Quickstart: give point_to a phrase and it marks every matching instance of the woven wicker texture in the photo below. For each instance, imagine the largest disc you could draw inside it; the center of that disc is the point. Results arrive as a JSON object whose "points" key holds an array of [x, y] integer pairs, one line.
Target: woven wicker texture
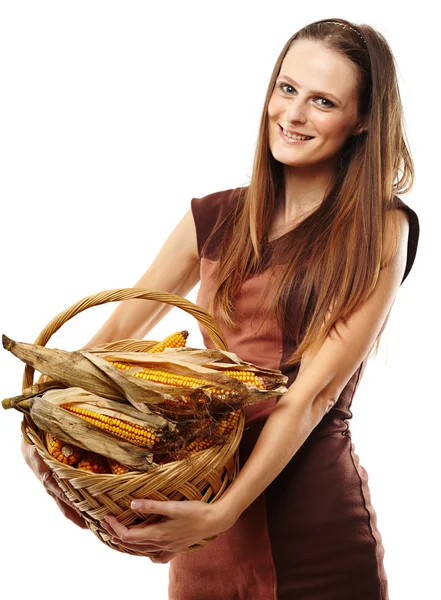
{"points": [[204, 476]]}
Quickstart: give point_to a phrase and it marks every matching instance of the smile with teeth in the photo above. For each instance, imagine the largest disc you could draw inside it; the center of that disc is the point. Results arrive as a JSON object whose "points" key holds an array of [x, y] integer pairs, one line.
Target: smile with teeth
{"points": [[293, 136]]}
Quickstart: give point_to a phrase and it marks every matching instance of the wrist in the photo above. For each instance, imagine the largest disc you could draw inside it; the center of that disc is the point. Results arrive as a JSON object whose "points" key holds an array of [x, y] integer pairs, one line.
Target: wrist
{"points": [[226, 513]]}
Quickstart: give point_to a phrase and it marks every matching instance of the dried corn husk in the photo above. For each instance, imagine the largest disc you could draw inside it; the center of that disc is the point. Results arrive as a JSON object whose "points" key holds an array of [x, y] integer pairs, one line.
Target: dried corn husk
{"points": [[211, 358], [70, 368], [93, 371], [48, 414], [22, 401], [51, 414], [149, 395]]}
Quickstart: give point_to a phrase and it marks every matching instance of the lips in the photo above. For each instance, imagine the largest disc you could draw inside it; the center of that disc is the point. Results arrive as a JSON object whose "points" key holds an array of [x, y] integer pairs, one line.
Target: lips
{"points": [[297, 132]]}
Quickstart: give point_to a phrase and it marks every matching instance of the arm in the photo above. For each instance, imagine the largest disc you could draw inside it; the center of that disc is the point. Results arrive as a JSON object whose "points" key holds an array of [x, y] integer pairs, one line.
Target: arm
{"points": [[175, 270], [44, 474], [318, 385]]}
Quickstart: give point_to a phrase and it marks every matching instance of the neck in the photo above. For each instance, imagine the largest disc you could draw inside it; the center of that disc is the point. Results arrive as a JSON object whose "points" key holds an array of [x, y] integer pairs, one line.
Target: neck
{"points": [[303, 191]]}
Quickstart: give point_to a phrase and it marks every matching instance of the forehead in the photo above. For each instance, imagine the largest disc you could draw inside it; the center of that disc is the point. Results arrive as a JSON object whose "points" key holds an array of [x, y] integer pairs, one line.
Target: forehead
{"points": [[315, 67]]}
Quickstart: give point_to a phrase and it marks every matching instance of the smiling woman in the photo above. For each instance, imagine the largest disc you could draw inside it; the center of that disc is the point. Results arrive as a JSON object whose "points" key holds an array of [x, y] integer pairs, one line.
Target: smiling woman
{"points": [[301, 269], [325, 106]]}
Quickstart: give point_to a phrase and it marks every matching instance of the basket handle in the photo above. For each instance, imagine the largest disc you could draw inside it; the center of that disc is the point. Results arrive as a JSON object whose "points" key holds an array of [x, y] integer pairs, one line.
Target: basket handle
{"points": [[117, 295]]}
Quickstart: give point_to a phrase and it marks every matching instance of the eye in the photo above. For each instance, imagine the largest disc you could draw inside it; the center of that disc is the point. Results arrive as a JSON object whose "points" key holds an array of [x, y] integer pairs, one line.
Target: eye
{"points": [[329, 105]]}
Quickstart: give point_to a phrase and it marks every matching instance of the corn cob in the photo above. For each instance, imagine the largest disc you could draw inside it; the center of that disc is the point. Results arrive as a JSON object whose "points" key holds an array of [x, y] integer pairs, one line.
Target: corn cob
{"points": [[116, 467], [199, 444], [94, 463], [185, 401], [144, 436], [91, 371], [229, 422], [176, 340], [247, 377], [173, 379], [68, 454], [225, 425]]}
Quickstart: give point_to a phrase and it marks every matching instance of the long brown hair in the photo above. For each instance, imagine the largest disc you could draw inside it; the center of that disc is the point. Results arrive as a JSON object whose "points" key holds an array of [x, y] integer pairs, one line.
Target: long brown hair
{"points": [[334, 256]]}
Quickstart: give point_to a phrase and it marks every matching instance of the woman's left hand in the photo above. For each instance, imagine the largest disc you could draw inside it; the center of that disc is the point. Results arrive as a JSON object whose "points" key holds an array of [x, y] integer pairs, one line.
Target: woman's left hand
{"points": [[188, 523]]}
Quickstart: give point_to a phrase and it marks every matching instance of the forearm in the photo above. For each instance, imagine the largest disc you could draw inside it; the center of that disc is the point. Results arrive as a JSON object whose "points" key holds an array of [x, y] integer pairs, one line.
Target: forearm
{"points": [[284, 432], [132, 319], [135, 318]]}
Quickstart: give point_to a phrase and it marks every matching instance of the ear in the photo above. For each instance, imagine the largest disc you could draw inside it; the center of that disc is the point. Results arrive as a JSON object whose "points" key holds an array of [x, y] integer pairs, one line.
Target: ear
{"points": [[359, 130]]}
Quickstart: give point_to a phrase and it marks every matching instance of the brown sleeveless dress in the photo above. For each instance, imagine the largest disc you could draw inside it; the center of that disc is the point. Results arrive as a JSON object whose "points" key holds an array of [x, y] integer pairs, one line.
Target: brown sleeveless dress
{"points": [[312, 534]]}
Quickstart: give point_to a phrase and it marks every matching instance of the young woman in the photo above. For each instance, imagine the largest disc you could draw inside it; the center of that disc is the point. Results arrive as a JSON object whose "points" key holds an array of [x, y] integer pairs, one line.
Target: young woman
{"points": [[300, 269]]}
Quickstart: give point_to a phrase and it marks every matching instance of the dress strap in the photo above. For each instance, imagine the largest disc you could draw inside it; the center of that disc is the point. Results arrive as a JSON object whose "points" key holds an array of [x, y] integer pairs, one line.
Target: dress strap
{"points": [[414, 234]]}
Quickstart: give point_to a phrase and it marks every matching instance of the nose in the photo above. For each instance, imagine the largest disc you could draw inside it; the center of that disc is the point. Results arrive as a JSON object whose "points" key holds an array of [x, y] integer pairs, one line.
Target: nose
{"points": [[296, 111]]}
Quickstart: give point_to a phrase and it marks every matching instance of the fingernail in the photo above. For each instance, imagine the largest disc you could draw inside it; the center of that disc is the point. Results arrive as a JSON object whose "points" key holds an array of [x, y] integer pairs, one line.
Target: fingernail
{"points": [[135, 504]]}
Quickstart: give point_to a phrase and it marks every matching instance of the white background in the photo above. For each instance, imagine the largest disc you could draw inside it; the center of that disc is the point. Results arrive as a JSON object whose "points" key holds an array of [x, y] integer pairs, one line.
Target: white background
{"points": [[114, 115]]}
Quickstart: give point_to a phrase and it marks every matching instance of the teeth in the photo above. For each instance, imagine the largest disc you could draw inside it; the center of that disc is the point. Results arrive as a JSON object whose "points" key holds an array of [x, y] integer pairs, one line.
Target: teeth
{"points": [[296, 137]]}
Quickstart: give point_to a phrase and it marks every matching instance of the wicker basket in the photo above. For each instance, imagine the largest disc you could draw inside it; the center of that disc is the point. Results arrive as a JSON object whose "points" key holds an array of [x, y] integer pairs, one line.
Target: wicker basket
{"points": [[205, 476]]}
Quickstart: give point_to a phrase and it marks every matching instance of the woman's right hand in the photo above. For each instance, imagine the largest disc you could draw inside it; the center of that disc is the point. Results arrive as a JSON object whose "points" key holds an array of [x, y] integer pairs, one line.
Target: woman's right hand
{"points": [[44, 474]]}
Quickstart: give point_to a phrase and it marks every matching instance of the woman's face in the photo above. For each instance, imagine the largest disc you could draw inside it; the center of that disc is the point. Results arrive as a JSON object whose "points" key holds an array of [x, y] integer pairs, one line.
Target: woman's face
{"points": [[330, 116]]}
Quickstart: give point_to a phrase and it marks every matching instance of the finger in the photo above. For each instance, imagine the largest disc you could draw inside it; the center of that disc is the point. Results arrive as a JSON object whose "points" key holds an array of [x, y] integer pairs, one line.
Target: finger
{"points": [[117, 540], [111, 530], [164, 557], [117, 529], [136, 547], [145, 535], [171, 508], [51, 485], [108, 528], [143, 524], [78, 520]]}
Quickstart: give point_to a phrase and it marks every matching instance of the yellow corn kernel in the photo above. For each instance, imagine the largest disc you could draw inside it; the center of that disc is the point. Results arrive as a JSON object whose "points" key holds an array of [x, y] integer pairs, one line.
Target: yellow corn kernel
{"points": [[94, 463], [132, 432], [229, 422], [225, 425], [176, 340], [68, 454], [199, 444], [246, 377], [116, 467], [173, 379]]}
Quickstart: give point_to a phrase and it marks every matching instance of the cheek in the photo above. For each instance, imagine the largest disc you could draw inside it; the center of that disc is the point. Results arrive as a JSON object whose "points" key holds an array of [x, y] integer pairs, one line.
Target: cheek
{"points": [[331, 126], [274, 107]]}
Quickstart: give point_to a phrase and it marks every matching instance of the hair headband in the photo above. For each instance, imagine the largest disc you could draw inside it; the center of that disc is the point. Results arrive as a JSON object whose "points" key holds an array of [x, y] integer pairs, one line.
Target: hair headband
{"points": [[345, 25]]}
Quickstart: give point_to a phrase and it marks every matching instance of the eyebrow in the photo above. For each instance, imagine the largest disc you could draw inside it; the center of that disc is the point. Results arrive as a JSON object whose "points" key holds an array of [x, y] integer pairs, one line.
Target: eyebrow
{"points": [[312, 91]]}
